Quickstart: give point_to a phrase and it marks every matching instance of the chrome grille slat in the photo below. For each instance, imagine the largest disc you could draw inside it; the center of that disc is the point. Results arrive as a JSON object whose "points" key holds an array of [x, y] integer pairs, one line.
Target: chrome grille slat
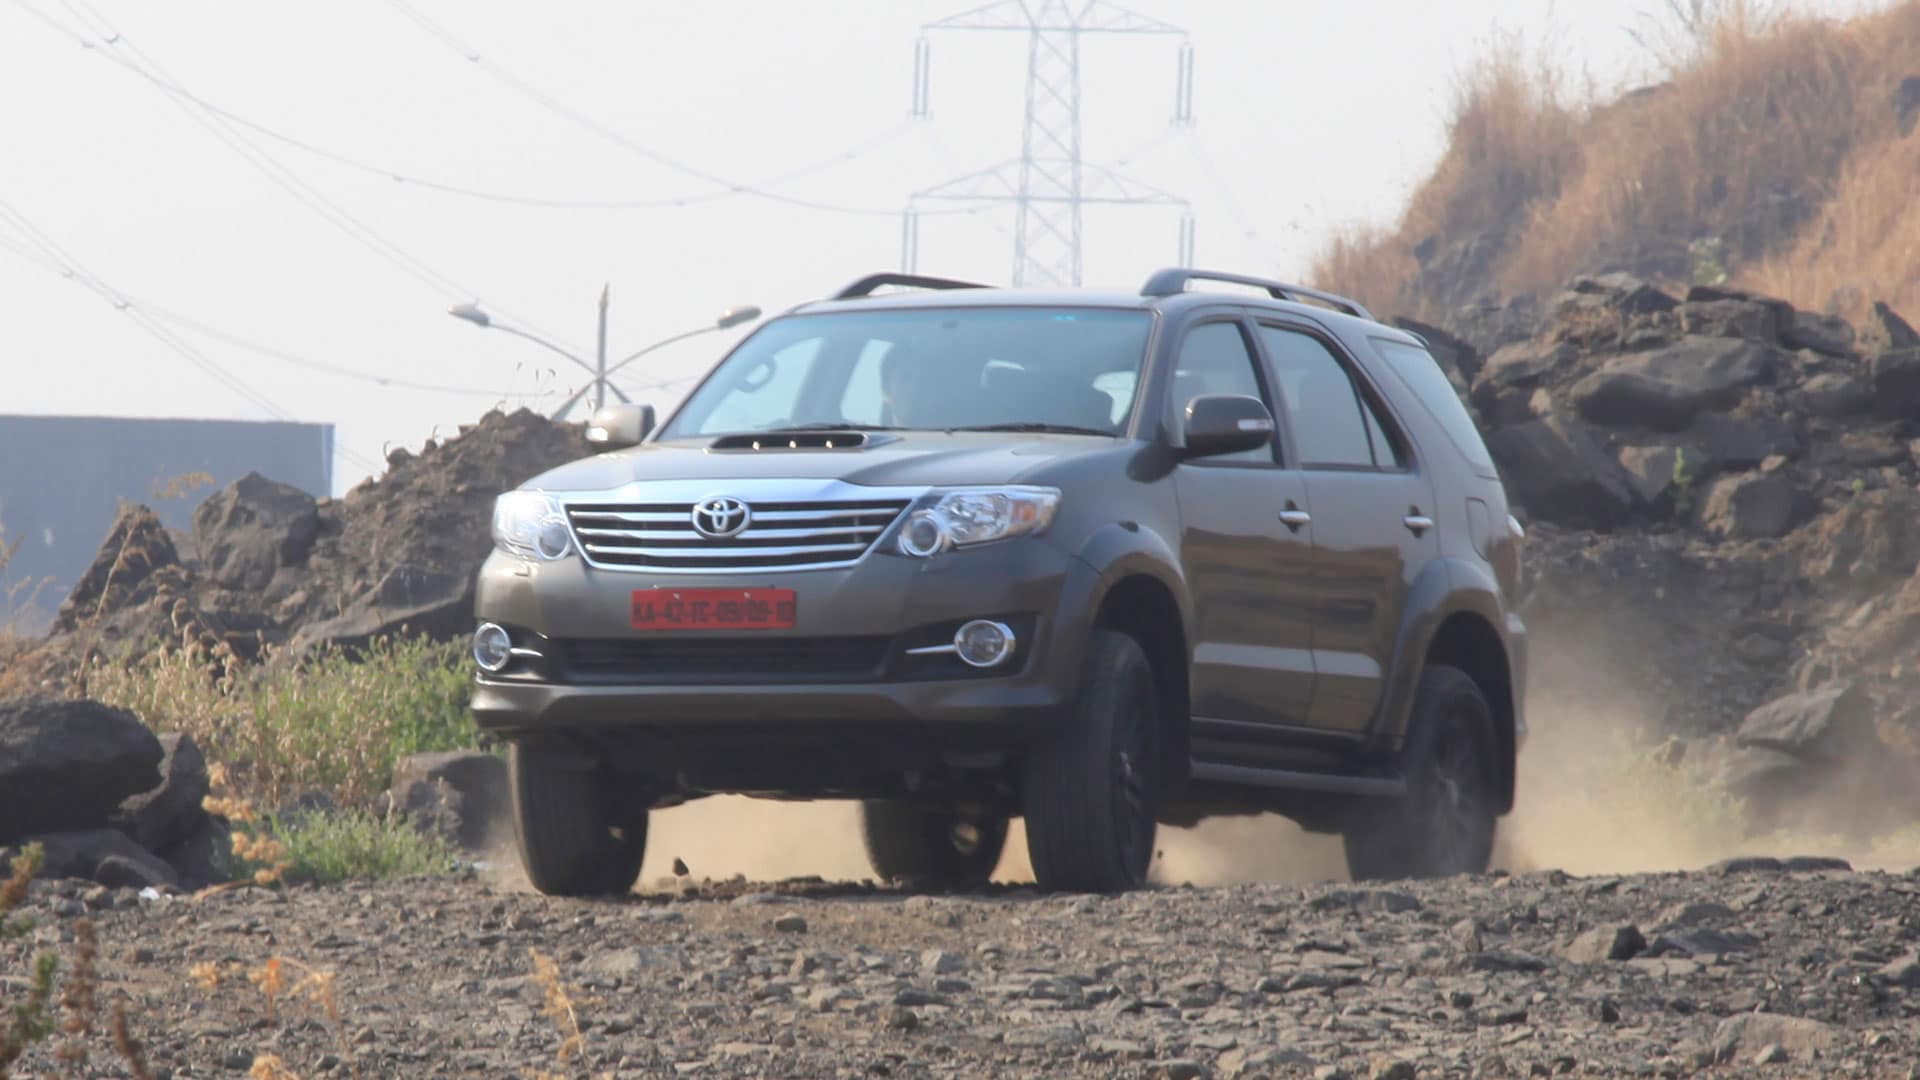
{"points": [[869, 531], [781, 534]]}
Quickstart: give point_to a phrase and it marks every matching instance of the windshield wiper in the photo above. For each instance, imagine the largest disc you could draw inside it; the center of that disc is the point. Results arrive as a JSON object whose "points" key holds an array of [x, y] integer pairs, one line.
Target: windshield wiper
{"points": [[1035, 425]]}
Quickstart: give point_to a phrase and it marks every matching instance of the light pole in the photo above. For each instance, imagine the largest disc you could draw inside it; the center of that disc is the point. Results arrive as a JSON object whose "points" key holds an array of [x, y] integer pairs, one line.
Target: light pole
{"points": [[599, 369]]}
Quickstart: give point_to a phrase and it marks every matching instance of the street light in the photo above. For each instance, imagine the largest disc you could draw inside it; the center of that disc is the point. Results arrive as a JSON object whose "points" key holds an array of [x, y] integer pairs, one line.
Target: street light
{"points": [[475, 314]]}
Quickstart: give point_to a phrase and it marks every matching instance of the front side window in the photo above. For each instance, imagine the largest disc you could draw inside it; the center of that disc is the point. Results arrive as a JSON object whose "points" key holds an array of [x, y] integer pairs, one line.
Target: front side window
{"points": [[1072, 370], [1331, 421], [1214, 359]]}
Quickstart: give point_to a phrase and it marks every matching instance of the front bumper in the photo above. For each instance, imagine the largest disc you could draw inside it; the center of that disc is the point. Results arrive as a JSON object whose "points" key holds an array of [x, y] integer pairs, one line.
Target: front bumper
{"points": [[894, 601]]}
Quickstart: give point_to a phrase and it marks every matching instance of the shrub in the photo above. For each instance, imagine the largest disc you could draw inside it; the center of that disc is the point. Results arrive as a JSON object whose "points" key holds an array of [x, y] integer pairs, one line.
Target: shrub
{"points": [[349, 845], [336, 722]]}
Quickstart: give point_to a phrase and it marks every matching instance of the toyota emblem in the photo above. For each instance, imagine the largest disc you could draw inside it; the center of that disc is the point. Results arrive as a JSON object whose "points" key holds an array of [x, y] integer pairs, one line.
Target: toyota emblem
{"points": [[721, 517]]}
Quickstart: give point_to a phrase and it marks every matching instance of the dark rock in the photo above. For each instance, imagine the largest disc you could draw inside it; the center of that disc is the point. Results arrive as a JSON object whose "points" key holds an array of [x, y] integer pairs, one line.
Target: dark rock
{"points": [[88, 853], [1753, 506], [1510, 376], [1808, 864], [409, 599], [1748, 319], [1366, 901], [169, 814], [1896, 383], [1695, 913], [461, 793], [1499, 960], [1626, 293], [1653, 471], [1556, 469], [1834, 395], [1828, 335], [1621, 941], [137, 550], [1748, 864], [1738, 442], [251, 528], [1830, 724], [68, 764], [1701, 941], [1666, 388], [203, 858], [1886, 332]]}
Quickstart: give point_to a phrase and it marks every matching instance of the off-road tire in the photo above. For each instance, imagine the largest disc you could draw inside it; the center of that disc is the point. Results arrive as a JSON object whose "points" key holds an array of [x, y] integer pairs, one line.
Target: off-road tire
{"points": [[929, 845], [1445, 823], [1091, 790], [577, 837]]}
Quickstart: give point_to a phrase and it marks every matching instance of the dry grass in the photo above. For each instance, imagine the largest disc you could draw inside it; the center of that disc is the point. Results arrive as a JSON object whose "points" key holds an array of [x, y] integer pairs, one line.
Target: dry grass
{"points": [[1776, 138]]}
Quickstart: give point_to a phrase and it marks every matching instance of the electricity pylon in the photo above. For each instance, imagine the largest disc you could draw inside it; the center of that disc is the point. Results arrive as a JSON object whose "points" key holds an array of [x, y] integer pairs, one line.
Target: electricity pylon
{"points": [[1051, 180]]}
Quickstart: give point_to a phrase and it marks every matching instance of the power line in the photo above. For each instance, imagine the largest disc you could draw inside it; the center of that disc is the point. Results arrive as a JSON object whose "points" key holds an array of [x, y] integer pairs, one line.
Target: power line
{"points": [[560, 108], [52, 256], [275, 171]]}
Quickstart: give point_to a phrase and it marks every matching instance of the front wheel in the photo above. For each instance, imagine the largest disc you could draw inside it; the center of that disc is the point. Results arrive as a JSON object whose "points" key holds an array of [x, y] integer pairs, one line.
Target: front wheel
{"points": [[1444, 824], [1091, 791], [944, 847], [577, 834]]}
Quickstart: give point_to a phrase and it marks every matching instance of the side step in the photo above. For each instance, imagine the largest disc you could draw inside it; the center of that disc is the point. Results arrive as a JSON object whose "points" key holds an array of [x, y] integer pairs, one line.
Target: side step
{"points": [[1375, 787]]}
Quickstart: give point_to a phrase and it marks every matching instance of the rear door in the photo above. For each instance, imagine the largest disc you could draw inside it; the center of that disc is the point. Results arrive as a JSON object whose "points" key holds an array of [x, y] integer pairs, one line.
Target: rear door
{"points": [[1373, 523], [1252, 649]]}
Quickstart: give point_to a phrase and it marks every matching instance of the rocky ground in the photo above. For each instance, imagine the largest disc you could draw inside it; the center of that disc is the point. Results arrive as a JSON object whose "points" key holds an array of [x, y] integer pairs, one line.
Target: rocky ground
{"points": [[1744, 969]]}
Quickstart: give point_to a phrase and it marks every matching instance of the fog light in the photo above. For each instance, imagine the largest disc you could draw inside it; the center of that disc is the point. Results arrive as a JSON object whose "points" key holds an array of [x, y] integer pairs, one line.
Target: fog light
{"points": [[984, 643], [492, 647], [923, 535]]}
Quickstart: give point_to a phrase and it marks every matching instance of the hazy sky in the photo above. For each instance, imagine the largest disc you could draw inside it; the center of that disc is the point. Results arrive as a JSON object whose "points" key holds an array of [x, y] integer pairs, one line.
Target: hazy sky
{"points": [[221, 233]]}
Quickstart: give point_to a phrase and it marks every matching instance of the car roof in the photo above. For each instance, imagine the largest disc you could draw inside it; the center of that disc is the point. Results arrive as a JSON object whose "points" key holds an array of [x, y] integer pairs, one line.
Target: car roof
{"points": [[1095, 298], [1166, 291]]}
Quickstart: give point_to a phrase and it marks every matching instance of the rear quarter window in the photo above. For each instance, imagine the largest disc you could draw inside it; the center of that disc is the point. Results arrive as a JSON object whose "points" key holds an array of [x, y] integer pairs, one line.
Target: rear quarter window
{"points": [[1417, 368]]}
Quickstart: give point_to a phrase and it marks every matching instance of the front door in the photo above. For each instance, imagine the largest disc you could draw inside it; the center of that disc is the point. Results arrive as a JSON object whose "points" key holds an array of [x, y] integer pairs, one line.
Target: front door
{"points": [[1246, 548], [1373, 523]]}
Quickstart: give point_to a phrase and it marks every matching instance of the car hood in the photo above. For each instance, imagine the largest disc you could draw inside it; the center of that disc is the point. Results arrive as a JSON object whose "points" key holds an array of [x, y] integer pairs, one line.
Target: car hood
{"points": [[905, 459]]}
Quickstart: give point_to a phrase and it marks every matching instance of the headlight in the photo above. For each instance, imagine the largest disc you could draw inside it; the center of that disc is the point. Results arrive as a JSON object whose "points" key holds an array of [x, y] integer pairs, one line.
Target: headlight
{"points": [[531, 525], [967, 516]]}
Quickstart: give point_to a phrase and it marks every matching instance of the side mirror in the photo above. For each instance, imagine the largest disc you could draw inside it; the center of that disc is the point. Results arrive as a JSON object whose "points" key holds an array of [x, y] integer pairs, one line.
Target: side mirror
{"points": [[1227, 424], [616, 427]]}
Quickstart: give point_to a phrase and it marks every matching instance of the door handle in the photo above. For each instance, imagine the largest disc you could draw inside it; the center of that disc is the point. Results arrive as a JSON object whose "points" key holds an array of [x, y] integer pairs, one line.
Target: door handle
{"points": [[1417, 523], [1294, 519]]}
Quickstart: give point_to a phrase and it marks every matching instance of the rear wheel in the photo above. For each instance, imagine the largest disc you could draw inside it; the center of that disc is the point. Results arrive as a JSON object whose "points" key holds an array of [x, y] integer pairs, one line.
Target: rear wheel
{"points": [[1445, 823], [931, 845], [1092, 789], [578, 833]]}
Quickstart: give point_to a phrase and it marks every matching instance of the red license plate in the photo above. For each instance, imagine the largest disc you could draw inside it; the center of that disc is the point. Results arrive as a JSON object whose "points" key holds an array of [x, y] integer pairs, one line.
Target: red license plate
{"points": [[713, 609]]}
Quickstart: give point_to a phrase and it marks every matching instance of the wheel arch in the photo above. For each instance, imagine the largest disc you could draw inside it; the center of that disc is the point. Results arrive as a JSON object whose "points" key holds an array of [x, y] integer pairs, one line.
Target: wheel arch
{"points": [[1455, 618], [1143, 595]]}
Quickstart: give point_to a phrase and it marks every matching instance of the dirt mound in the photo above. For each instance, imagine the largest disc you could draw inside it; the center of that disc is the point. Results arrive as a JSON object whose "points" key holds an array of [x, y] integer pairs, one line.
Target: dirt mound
{"points": [[269, 564]]}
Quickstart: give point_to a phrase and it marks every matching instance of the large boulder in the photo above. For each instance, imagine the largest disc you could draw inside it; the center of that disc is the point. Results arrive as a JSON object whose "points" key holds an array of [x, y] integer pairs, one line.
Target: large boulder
{"points": [[1832, 724], [68, 764], [171, 813], [1667, 387], [1752, 320], [1508, 379], [410, 599], [1834, 395], [462, 794], [107, 856], [1557, 469], [1753, 506], [136, 564], [251, 528], [1727, 442], [1829, 335]]}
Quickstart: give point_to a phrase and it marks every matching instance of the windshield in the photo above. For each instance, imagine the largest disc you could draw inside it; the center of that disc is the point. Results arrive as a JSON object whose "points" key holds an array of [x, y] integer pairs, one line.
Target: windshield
{"points": [[927, 369]]}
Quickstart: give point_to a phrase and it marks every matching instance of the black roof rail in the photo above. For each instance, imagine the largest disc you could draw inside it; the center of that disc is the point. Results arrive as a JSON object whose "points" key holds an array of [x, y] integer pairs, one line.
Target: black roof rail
{"points": [[866, 285], [1173, 280]]}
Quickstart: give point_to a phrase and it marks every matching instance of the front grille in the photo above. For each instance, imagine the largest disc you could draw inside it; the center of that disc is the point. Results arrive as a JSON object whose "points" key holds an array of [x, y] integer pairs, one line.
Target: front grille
{"points": [[730, 660], [661, 536]]}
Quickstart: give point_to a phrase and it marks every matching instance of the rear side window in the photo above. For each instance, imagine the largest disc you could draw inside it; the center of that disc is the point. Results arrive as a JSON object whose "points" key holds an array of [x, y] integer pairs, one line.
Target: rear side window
{"points": [[1417, 368]]}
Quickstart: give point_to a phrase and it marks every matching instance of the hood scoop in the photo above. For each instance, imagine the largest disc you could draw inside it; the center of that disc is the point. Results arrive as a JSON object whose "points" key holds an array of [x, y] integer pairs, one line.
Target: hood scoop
{"points": [[769, 441]]}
